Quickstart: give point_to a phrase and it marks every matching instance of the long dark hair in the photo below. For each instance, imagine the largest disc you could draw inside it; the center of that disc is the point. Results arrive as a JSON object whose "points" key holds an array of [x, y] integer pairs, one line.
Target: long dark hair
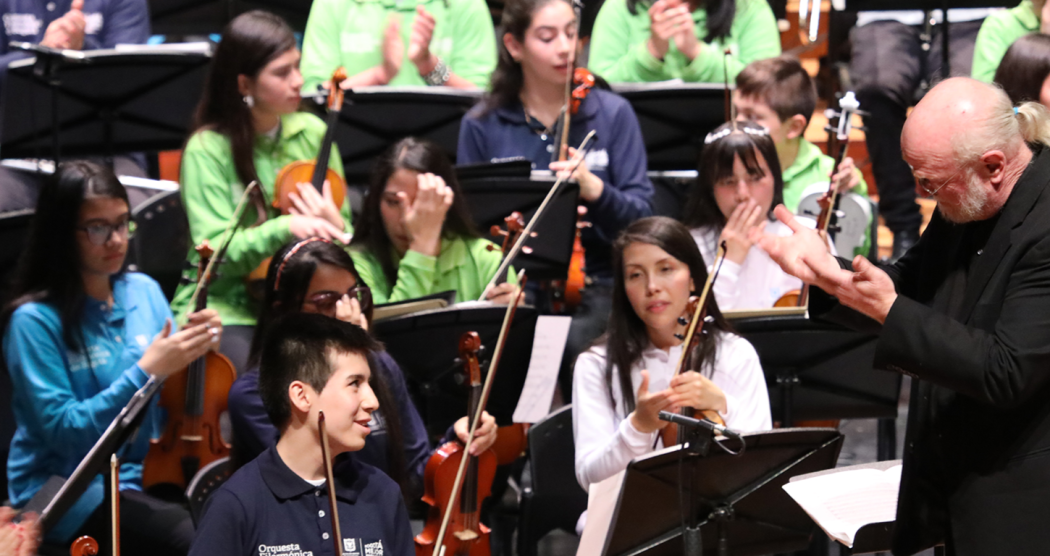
{"points": [[418, 155], [250, 42], [716, 163], [49, 268], [296, 270], [1025, 67], [508, 79], [720, 14], [627, 337]]}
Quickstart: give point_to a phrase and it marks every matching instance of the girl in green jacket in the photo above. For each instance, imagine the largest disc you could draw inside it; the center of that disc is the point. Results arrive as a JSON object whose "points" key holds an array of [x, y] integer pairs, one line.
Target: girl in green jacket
{"points": [[658, 40], [248, 127], [416, 236]]}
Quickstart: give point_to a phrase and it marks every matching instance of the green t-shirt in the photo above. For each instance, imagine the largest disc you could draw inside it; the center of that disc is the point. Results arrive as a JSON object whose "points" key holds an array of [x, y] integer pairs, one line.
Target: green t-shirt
{"points": [[210, 191], [813, 166], [997, 33], [619, 52], [464, 265], [349, 33]]}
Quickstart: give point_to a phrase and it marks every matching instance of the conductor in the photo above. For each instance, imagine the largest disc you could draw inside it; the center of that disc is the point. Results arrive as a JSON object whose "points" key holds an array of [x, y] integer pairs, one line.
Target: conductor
{"points": [[966, 312]]}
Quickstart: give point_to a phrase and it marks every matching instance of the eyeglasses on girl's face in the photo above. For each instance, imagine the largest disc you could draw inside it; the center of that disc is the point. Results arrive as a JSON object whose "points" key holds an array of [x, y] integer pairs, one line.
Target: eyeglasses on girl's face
{"points": [[98, 232], [324, 302]]}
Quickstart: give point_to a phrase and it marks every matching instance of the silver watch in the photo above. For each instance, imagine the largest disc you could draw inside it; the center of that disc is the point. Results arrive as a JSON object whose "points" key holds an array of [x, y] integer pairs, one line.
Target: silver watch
{"points": [[439, 75]]}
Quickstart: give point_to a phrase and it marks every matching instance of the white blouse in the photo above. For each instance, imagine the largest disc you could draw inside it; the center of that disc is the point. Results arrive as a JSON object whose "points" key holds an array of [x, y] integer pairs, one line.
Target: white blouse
{"points": [[606, 441], [757, 283]]}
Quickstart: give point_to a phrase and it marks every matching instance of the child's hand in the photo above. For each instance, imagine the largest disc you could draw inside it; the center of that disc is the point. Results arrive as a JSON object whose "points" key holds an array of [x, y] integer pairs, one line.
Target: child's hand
{"points": [[746, 216]]}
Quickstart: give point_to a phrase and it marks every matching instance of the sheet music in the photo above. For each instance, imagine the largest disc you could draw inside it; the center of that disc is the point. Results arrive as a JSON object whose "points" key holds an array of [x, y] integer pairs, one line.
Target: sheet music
{"points": [[843, 501], [547, 349], [601, 505]]}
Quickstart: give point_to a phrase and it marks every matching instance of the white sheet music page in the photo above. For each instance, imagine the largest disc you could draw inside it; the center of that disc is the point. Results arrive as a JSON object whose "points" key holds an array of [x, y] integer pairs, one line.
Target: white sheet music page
{"points": [[547, 348], [601, 504], [846, 499]]}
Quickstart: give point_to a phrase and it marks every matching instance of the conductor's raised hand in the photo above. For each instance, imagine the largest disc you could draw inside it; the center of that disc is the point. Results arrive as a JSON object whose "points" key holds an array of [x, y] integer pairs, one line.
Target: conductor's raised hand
{"points": [[868, 290], [425, 216], [803, 254], [170, 353], [646, 414]]}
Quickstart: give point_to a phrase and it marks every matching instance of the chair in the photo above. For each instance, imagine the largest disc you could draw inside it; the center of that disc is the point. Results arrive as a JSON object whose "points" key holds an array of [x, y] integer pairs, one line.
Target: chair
{"points": [[161, 240], [553, 500], [204, 483]]}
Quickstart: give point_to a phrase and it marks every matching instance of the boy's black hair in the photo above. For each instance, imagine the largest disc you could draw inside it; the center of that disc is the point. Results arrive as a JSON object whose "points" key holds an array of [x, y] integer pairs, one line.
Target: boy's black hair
{"points": [[299, 347], [782, 83]]}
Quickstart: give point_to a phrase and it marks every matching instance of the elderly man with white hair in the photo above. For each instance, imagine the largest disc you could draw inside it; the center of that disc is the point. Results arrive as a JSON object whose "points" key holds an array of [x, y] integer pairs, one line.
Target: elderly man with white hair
{"points": [[966, 312]]}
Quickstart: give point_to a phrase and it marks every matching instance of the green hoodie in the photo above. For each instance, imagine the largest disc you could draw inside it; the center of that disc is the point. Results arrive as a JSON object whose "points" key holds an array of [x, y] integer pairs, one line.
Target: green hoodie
{"points": [[997, 33], [619, 52], [349, 33]]}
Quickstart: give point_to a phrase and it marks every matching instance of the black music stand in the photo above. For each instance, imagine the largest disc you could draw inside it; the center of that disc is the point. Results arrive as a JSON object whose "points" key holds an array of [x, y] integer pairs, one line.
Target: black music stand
{"points": [[491, 200], [675, 119], [111, 102], [374, 118], [203, 17], [747, 510], [434, 374]]}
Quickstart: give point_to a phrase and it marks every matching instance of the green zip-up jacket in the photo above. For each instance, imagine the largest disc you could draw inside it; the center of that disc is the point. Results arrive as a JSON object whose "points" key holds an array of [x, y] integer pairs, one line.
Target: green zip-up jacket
{"points": [[210, 192], [349, 33], [813, 166], [997, 33], [464, 265], [619, 52]]}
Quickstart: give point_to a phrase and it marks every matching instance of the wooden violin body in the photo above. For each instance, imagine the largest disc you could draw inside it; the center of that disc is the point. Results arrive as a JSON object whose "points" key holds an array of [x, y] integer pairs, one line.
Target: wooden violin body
{"points": [[466, 536], [194, 400]]}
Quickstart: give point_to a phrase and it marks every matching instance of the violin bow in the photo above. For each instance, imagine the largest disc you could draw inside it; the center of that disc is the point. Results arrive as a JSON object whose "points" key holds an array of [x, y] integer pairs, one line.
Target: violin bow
{"points": [[114, 493], [333, 511], [695, 322], [497, 353], [566, 112], [527, 232]]}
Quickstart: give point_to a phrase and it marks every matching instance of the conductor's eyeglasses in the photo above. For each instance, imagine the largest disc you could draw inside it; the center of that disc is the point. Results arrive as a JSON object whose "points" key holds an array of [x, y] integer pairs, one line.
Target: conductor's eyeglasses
{"points": [[98, 233], [924, 183]]}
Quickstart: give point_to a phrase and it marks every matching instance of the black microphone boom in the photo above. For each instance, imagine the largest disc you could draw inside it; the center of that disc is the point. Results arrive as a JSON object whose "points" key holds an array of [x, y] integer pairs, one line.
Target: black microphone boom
{"points": [[683, 421]]}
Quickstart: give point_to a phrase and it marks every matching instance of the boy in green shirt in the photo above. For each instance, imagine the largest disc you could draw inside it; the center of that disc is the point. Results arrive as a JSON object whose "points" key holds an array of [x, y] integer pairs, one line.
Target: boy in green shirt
{"points": [[1000, 30], [778, 94]]}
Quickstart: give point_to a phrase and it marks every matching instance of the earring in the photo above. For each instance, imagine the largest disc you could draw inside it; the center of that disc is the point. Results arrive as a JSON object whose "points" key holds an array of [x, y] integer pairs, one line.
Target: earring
{"points": [[249, 101]]}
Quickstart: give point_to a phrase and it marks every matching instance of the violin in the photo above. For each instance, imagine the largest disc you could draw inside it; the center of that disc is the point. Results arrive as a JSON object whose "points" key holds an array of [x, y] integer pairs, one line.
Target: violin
{"points": [[87, 546], [848, 105], [672, 434], [440, 474], [194, 400], [315, 172], [468, 537]]}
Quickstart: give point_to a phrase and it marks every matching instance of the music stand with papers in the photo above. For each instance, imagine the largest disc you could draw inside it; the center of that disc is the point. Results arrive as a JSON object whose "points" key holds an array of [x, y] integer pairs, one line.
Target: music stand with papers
{"points": [[434, 374], [490, 200], [675, 118], [374, 118], [102, 103], [744, 508]]}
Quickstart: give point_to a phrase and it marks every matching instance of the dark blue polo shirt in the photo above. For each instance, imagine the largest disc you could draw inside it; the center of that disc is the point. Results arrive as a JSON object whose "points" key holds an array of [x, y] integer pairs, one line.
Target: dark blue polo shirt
{"points": [[265, 509], [107, 23], [617, 157], [253, 432]]}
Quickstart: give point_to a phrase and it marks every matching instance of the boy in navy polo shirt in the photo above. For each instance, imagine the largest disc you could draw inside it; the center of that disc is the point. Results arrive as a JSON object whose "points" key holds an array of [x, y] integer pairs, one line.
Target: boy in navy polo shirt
{"points": [[277, 505]]}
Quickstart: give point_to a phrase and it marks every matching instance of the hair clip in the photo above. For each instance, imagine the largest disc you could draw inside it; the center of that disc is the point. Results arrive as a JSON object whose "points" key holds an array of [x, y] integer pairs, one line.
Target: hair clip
{"points": [[295, 249], [716, 135]]}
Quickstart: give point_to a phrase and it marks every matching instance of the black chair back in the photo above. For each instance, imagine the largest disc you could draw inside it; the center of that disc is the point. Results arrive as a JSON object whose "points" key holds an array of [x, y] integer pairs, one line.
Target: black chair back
{"points": [[161, 241]]}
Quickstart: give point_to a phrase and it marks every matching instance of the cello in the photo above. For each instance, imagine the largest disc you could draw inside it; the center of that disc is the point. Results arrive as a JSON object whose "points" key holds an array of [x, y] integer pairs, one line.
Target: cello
{"points": [[468, 537], [315, 172], [194, 400], [442, 467], [672, 434]]}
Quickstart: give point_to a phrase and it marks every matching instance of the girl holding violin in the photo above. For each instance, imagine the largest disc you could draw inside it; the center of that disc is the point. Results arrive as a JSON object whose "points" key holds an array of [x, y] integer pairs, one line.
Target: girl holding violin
{"points": [[521, 118], [247, 128], [81, 336], [659, 40], [316, 276], [624, 380], [739, 182], [416, 236]]}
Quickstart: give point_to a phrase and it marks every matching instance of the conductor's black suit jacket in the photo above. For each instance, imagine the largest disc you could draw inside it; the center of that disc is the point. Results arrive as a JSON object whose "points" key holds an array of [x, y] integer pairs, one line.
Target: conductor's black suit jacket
{"points": [[977, 450]]}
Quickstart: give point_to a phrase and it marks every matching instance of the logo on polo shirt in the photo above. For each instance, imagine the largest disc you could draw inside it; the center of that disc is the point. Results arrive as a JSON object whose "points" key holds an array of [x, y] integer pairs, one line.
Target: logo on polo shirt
{"points": [[22, 24], [283, 550], [350, 548], [597, 160]]}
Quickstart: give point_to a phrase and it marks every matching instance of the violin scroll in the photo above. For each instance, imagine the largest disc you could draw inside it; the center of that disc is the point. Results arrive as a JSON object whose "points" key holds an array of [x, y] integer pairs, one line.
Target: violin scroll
{"points": [[84, 546]]}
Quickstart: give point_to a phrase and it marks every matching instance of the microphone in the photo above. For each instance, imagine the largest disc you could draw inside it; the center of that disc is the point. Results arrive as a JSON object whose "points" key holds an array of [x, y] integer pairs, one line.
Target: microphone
{"points": [[683, 421]]}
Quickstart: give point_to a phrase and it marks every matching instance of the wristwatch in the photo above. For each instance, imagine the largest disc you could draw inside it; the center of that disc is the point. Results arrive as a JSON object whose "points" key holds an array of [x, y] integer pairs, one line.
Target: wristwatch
{"points": [[439, 75]]}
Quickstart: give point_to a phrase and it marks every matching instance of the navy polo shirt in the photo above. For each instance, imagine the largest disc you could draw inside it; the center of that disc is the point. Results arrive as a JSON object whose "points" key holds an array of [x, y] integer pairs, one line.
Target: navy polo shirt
{"points": [[107, 23], [617, 156], [265, 509]]}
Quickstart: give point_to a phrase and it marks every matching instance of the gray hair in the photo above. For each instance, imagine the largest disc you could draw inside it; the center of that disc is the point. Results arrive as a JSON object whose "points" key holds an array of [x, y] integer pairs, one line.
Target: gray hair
{"points": [[1030, 121]]}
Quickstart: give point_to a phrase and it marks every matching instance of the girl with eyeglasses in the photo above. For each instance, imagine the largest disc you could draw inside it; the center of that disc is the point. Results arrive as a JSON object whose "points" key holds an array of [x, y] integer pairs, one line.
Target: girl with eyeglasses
{"points": [[739, 182], [416, 236], [316, 276], [81, 336]]}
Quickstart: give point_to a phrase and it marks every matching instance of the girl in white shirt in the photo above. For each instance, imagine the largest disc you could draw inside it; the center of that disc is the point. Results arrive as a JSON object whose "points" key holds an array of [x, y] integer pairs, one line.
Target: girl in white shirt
{"points": [[739, 182], [622, 383]]}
